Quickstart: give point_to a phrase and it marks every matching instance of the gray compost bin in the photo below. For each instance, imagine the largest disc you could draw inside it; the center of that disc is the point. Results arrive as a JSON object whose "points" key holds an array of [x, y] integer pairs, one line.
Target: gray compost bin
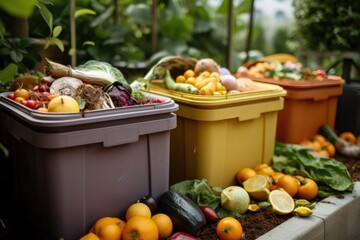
{"points": [[69, 170]]}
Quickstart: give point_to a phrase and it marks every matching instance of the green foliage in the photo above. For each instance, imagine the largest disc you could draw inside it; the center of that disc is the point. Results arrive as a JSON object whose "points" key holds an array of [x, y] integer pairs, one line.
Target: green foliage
{"points": [[331, 175], [19, 8], [328, 24]]}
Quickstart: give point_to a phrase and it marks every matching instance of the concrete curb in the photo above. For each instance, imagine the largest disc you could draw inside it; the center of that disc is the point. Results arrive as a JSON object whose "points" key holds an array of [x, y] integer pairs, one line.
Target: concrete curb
{"points": [[333, 218]]}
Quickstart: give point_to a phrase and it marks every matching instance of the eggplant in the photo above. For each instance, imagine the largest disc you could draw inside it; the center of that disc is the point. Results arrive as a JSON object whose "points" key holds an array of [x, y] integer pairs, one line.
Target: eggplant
{"points": [[151, 203], [185, 214]]}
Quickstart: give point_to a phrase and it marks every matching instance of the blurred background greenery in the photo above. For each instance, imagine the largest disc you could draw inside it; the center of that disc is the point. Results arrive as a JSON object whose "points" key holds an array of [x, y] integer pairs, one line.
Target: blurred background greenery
{"points": [[120, 32]]}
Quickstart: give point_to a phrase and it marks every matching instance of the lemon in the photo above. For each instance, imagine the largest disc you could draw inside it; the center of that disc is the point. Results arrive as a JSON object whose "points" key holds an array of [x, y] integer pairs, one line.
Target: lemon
{"points": [[281, 202], [254, 207], [258, 187], [235, 198], [63, 104], [303, 211]]}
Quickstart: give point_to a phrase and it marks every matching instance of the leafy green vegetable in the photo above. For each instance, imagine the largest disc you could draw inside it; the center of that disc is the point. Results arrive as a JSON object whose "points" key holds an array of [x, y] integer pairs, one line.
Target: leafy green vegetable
{"points": [[331, 175], [203, 194], [97, 72]]}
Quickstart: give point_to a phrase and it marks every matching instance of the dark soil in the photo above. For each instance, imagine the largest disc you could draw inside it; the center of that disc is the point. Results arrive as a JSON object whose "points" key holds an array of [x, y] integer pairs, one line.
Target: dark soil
{"points": [[256, 224]]}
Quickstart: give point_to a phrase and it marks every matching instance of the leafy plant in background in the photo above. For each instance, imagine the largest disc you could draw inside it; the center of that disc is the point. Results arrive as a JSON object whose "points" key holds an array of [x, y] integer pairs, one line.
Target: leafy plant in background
{"points": [[121, 32], [328, 24]]}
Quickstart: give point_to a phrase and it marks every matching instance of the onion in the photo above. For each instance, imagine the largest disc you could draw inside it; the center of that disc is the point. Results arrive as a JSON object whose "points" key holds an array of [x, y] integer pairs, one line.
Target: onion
{"points": [[229, 82]]}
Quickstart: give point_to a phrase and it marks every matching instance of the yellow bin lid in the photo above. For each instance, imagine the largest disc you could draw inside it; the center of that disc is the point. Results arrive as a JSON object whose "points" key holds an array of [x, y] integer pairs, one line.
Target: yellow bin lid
{"points": [[266, 91]]}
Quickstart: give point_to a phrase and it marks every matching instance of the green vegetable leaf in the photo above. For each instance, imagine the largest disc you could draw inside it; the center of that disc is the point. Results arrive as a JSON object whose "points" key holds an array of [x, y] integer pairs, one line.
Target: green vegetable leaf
{"points": [[58, 43], [8, 73], [199, 191], [81, 102], [331, 175]]}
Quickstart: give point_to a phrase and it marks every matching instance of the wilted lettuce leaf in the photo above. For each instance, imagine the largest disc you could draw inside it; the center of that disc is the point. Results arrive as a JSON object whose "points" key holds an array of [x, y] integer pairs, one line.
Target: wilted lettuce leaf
{"points": [[331, 175], [199, 191]]}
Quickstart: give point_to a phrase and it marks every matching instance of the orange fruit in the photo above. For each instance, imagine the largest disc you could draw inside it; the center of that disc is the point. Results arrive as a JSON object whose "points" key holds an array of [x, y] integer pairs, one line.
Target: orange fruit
{"points": [[320, 138], [264, 169], [229, 228], [164, 225], [21, 92], [317, 146], [289, 184], [330, 148], [308, 188], [243, 174], [138, 209], [140, 227], [347, 136], [90, 236], [108, 228], [273, 180]]}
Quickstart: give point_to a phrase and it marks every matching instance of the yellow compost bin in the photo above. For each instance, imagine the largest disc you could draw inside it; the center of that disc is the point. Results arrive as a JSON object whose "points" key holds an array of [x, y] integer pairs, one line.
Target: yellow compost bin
{"points": [[217, 135]]}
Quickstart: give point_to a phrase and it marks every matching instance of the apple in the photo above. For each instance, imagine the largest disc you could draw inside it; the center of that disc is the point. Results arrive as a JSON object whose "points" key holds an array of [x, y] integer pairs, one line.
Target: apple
{"points": [[11, 96]]}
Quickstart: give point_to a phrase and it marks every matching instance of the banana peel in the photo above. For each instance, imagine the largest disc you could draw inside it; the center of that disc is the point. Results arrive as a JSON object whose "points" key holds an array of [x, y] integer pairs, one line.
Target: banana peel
{"points": [[177, 65]]}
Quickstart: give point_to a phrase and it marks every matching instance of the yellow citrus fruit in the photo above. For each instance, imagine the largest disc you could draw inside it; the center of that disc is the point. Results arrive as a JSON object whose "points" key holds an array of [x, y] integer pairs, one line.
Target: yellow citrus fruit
{"points": [[281, 202], [164, 225], [138, 209], [303, 211], [258, 187], [63, 104]]}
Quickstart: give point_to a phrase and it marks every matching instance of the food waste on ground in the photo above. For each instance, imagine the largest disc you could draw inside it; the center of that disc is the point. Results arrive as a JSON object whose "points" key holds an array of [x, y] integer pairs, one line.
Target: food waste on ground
{"points": [[94, 85], [200, 77], [189, 206]]}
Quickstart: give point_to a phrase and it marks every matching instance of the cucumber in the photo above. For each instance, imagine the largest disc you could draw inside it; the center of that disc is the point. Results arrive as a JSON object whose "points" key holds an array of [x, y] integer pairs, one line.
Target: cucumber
{"points": [[329, 134], [185, 214]]}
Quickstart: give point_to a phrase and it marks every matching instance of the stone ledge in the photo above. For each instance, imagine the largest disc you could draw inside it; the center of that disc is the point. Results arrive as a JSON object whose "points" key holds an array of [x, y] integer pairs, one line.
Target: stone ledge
{"points": [[333, 218]]}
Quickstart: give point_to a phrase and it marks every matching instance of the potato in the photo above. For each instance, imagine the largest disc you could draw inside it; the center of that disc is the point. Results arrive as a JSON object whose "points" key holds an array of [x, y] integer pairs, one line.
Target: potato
{"points": [[206, 64]]}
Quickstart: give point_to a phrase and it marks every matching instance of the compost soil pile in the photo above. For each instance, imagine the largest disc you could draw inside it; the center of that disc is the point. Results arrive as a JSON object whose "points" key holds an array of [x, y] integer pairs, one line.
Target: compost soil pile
{"points": [[257, 224]]}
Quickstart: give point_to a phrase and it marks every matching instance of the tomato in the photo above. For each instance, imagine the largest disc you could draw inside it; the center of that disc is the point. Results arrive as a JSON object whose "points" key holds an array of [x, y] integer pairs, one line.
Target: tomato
{"points": [[264, 169], [289, 184], [229, 228], [11, 96], [31, 104], [273, 180], [21, 92], [308, 188], [109, 228]]}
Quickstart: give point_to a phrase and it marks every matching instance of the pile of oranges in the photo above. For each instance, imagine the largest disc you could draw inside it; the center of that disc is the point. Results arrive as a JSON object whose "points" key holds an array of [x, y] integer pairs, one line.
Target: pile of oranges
{"points": [[296, 186], [320, 145], [139, 224]]}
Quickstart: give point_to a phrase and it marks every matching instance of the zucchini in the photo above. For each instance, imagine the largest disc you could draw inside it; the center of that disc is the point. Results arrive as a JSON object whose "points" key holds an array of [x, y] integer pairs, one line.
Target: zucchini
{"points": [[181, 87], [185, 214], [329, 134]]}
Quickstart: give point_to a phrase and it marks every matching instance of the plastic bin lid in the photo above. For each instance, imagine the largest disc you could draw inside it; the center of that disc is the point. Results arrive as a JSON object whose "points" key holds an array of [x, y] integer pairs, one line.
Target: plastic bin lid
{"points": [[266, 91], [330, 81], [42, 119]]}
